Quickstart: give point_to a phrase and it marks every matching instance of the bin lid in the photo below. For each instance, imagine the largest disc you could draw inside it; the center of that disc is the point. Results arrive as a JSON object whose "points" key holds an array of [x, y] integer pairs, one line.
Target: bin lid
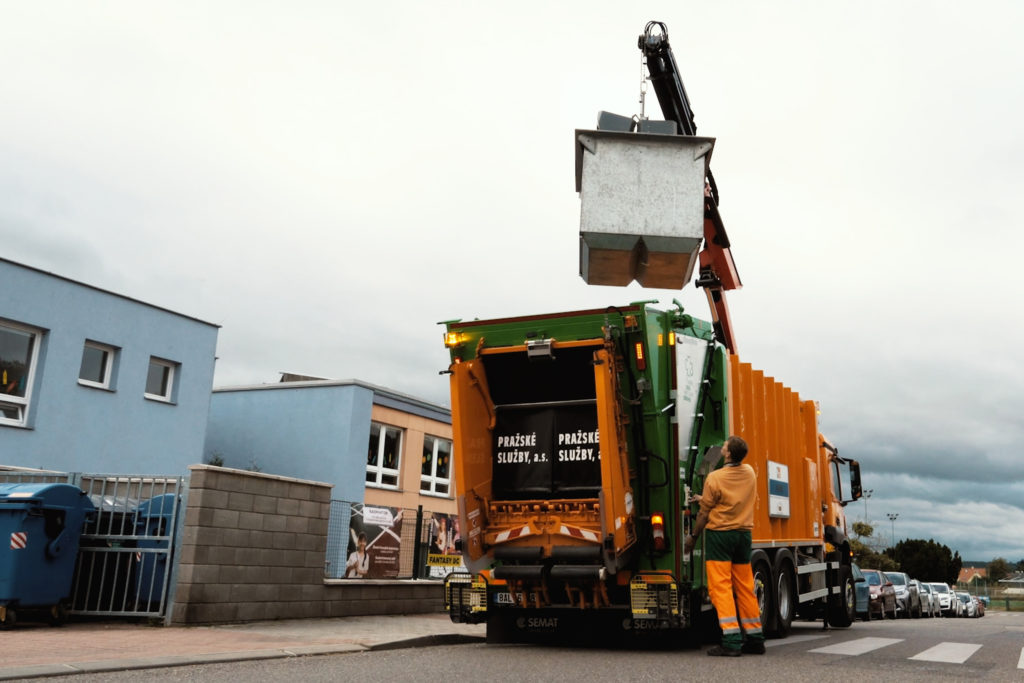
{"points": [[157, 506], [45, 495]]}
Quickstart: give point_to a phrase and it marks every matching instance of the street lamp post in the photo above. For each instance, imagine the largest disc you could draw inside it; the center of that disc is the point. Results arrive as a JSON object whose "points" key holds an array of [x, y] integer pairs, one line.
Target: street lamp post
{"points": [[865, 495], [892, 518]]}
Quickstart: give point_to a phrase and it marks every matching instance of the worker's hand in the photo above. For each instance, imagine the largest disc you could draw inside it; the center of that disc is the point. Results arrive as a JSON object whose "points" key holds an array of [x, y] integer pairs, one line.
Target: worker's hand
{"points": [[688, 544], [695, 498]]}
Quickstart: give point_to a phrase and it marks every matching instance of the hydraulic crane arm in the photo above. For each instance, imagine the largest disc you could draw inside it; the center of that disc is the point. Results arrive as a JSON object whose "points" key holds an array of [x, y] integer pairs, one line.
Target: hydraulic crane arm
{"points": [[717, 268]]}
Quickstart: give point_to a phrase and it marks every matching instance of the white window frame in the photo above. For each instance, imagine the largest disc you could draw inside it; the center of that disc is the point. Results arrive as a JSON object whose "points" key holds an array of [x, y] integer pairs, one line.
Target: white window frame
{"points": [[376, 471], [172, 370], [429, 482], [22, 403], [108, 366]]}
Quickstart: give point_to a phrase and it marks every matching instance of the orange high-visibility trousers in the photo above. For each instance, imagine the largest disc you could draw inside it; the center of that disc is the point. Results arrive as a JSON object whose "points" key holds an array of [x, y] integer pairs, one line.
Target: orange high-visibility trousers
{"points": [[731, 585]]}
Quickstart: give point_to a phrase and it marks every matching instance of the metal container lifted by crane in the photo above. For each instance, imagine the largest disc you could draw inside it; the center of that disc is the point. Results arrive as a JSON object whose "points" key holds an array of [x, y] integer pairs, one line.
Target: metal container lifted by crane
{"points": [[648, 199]]}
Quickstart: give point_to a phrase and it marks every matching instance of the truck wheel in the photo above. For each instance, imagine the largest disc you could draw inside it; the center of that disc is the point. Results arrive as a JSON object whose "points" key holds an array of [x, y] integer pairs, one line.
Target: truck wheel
{"points": [[785, 593], [763, 591], [841, 606]]}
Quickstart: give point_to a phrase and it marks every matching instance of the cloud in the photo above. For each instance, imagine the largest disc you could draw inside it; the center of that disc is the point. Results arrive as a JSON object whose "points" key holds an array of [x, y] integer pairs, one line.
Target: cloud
{"points": [[328, 185]]}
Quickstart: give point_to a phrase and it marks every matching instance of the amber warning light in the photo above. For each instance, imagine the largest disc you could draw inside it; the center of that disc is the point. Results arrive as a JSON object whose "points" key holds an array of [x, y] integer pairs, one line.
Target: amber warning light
{"points": [[658, 530], [451, 339]]}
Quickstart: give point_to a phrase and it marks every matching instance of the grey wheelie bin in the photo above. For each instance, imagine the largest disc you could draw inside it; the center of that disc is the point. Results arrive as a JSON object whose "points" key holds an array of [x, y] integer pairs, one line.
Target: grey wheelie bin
{"points": [[40, 529]]}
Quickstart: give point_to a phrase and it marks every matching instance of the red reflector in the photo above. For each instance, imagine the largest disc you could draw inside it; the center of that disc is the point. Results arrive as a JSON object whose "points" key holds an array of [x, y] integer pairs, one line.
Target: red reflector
{"points": [[641, 360]]}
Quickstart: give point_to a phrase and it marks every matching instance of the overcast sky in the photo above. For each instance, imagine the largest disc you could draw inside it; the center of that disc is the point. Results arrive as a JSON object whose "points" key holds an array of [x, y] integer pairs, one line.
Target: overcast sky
{"points": [[328, 180]]}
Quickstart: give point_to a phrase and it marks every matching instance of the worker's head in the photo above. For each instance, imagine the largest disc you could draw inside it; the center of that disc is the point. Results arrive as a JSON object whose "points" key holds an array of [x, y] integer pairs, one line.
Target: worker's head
{"points": [[736, 448]]}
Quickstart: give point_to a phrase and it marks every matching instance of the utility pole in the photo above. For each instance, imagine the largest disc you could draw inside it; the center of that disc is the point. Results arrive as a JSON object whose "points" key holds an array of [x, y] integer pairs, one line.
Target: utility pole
{"points": [[892, 518], [865, 495]]}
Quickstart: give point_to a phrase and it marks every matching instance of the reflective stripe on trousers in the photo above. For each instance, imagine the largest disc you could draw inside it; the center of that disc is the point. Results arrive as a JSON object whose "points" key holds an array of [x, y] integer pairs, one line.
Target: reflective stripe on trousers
{"points": [[731, 586]]}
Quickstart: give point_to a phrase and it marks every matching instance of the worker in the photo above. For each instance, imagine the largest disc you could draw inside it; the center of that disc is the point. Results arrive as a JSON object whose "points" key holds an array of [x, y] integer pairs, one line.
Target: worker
{"points": [[727, 511]]}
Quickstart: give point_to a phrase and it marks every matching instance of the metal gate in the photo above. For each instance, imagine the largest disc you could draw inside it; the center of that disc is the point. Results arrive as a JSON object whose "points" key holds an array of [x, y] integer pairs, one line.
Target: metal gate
{"points": [[126, 553]]}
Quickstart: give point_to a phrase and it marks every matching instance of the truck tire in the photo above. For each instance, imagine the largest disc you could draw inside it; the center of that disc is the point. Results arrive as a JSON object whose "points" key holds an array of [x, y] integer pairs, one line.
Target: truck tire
{"points": [[842, 605], [764, 591], [786, 600]]}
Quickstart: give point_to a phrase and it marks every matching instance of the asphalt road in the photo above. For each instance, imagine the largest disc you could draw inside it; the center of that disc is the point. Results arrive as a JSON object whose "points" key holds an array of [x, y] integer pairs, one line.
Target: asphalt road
{"points": [[987, 649]]}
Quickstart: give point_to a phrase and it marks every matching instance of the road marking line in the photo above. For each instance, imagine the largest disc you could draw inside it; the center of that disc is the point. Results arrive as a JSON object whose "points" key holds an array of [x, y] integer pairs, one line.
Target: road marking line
{"points": [[951, 653], [858, 646], [789, 640], [1020, 662]]}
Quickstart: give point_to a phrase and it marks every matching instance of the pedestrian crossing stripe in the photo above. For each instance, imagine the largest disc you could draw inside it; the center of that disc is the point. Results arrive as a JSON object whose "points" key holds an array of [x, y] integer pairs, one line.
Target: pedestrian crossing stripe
{"points": [[948, 653], [858, 647], [951, 653]]}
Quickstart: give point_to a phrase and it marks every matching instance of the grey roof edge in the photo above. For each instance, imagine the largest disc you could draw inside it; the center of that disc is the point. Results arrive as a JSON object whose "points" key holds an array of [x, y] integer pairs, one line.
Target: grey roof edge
{"points": [[381, 395], [107, 291]]}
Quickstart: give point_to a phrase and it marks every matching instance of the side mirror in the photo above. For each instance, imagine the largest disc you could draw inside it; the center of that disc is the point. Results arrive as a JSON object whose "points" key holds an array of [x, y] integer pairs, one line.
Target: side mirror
{"points": [[860, 580]]}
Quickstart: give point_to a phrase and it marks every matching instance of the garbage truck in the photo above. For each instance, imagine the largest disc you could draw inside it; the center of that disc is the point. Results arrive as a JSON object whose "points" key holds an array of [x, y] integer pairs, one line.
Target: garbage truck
{"points": [[579, 437], [578, 440]]}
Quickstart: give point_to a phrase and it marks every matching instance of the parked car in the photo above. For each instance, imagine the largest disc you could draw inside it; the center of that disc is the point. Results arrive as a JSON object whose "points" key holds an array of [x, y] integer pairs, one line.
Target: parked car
{"points": [[948, 603], [908, 601], [979, 604], [882, 595], [929, 599], [862, 593], [969, 609]]}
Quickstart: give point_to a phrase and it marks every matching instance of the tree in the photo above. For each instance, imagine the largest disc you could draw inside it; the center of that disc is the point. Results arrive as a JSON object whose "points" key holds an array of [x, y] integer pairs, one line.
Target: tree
{"points": [[927, 560], [998, 569], [863, 553]]}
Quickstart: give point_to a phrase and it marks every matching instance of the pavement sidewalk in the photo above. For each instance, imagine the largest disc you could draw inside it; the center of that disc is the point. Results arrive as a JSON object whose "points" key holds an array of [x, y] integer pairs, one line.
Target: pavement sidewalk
{"points": [[33, 650]]}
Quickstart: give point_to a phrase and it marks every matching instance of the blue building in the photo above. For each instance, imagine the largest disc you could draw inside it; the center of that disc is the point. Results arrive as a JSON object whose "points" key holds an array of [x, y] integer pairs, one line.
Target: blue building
{"points": [[95, 381], [377, 447], [323, 430]]}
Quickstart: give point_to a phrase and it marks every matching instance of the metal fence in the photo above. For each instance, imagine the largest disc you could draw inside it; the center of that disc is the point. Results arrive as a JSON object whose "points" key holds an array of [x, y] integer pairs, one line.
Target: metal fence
{"points": [[125, 563], [398, 541]]}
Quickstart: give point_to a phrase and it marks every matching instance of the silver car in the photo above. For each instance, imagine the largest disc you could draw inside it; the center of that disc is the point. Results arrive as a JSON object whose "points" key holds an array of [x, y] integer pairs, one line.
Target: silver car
{"points": [[908, 601], [929, 599], [969, 609]]}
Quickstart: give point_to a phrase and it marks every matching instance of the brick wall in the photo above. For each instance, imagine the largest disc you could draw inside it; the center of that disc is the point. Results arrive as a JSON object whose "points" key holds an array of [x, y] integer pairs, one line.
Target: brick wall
{"points": [[254, 546]]}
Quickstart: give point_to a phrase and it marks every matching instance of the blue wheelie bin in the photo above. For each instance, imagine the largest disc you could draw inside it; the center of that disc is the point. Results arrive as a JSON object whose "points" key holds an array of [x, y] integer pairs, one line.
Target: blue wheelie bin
{"points": [[40, 528], [153, 518]]}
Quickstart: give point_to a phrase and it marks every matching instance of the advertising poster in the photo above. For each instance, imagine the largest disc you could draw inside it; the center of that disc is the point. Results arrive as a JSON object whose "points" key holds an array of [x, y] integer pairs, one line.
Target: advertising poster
{"points": [[442, 556], [375, 542]]}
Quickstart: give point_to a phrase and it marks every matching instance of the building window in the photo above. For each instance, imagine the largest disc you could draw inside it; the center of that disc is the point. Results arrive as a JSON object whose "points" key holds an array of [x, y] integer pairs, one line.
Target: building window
{"points": [[384, 456], [97, 365], [160, 379], [19, 348], [436, 469]]}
